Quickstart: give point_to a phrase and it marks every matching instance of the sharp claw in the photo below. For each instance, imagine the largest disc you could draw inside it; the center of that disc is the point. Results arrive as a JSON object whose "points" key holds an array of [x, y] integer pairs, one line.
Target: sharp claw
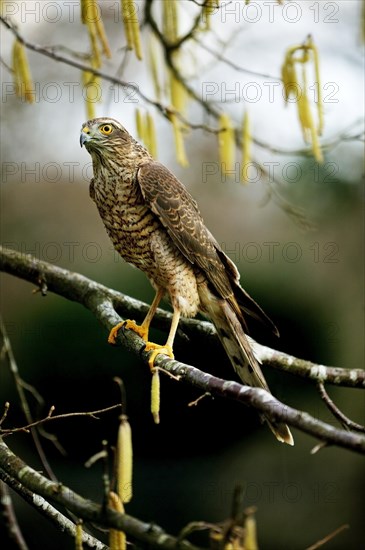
{"points": [[138, 329], [156, 350], [131, 325], [114, 332]]}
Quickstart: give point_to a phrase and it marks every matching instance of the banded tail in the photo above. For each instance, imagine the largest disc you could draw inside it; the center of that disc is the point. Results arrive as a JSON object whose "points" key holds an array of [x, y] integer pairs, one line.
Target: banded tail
{"points": [[240, 353]]}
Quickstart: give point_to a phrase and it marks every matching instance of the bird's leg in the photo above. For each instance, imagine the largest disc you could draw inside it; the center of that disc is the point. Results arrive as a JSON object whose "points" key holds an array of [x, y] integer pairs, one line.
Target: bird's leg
{"points": [[142, 329], [167, 348]]}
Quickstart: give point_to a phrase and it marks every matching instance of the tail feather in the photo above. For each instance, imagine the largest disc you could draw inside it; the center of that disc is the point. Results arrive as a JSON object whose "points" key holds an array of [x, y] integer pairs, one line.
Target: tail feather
{"points": [[240, 353]]}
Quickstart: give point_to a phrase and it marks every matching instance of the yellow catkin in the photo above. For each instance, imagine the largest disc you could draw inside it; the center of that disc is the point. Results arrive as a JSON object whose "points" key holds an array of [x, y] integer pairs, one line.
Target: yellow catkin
{"points": [[250, 533], [84, 9], [246, 146], [178, 94], [117, 539], [151, 135], [290, 80], [87, 82], [15, 67], [131, 26], [153, 56], [22, 78], [102, 37], [311, 130], [155, 396], [170, 20], [179, 140], [78, 536], [140, 125], [136, 35], [89, 16], [319, 89], [226, 144], [127, 14], [124, 460]]}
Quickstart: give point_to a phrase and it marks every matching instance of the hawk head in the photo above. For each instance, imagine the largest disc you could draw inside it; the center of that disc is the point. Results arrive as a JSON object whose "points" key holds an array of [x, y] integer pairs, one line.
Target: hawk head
{"points": [[104, 135]]}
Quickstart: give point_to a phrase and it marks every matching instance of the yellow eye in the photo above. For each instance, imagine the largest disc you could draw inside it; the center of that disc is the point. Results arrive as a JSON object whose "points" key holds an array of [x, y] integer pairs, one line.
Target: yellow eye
{"points": [[106, 129]]}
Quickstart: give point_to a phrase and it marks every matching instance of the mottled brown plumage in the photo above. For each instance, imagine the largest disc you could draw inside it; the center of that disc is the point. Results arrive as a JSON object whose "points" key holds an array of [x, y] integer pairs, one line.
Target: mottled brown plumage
{"points": [[155, 224]]}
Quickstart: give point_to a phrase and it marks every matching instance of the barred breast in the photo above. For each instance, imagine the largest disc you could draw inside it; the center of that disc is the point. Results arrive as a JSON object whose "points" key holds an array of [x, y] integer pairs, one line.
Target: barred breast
{"points": [[139, 237]]}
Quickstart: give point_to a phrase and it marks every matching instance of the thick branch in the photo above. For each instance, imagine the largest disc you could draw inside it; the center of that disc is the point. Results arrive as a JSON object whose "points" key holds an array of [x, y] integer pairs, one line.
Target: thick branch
{"points": [[48, 511], [105, 303], [351, 378], [102, 302], [265, 403], [149, 534]]}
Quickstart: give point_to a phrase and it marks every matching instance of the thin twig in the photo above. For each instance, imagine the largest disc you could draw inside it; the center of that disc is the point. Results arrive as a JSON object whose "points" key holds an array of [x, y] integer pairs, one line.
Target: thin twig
{"points": [[345, 421], [9, 517], [19, 385], [233, 65], [328, 537], [49, 417]]}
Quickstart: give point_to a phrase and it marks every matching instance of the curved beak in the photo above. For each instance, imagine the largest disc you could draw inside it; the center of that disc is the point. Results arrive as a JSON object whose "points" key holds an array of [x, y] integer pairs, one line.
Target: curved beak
{"points": [[84, 135]]}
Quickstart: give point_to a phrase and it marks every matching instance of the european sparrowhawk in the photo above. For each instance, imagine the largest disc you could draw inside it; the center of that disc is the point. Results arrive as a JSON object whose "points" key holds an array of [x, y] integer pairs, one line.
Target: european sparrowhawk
{"points": [[155, 224]]}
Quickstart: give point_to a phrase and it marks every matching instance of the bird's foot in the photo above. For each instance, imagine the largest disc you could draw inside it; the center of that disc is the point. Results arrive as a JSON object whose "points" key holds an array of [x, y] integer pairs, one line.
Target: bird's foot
{"points": [[141, 330], [157, 350]]}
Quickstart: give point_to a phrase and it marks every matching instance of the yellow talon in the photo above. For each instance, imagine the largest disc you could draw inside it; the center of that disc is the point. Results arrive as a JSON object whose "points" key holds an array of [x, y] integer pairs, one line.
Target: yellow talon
{"points": [[158, 350], [114, 332], [141, 330]]}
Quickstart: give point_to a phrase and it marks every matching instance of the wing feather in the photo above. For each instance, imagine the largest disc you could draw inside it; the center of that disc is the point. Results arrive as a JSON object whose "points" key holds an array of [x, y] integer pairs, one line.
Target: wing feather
{"points": [[178, 212]]}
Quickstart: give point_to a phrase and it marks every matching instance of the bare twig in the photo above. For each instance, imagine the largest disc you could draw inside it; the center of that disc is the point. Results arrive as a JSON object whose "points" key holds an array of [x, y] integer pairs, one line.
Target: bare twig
{"points": [[5, 413], [198, 399], [9, 517], [103, 302], [49, 417], [328, 537], [19, 385], [346, 422], [230, 63]]}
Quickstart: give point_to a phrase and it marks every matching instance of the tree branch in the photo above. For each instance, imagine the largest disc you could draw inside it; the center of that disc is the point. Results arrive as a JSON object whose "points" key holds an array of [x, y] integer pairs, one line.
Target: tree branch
{"points": [[9, 517], [107, 303], [48, 511], [346, 422], [150, 534], [104, 303]]}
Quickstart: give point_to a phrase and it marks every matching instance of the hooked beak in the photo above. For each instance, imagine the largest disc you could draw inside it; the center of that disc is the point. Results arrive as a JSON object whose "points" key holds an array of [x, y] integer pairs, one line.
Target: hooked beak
{"points": [[85, 135]]}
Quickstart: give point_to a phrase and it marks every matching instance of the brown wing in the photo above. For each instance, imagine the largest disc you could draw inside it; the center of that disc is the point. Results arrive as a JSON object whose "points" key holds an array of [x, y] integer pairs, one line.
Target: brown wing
{"points": [[179, 214]]}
